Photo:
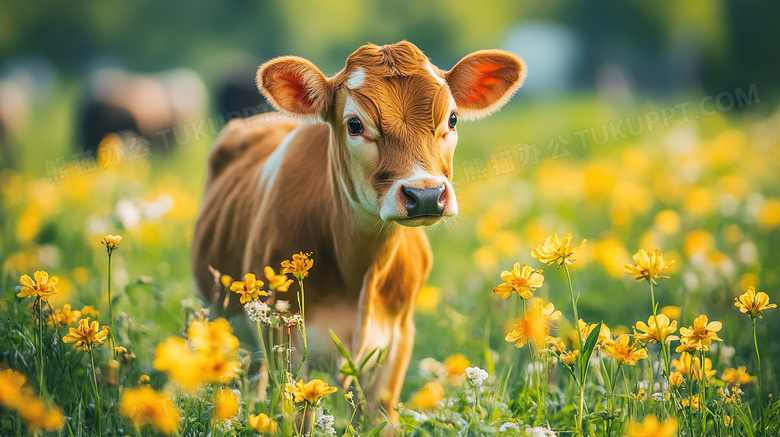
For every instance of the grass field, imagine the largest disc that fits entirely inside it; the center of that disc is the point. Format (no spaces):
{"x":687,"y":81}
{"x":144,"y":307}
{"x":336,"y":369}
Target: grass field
{"x":700,"y":184}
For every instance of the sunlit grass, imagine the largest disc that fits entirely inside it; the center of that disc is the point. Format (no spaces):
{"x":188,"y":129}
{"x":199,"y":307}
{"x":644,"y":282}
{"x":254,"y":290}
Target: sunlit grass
{"x":705,"y":193}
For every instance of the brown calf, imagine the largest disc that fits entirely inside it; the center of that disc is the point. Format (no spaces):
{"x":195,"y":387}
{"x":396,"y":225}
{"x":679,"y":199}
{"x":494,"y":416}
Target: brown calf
{"x":357,"y":163}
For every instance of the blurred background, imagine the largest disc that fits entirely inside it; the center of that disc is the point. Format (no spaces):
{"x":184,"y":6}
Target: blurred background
{"x":641,"y":124}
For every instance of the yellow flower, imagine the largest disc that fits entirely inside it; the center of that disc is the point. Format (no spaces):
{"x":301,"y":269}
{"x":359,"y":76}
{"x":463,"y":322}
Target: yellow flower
{"x":227,"y":404}
{"x":547,"y":311}
{"x":737,"y":376}
{"x":64,"y":317}
{"x":41,"y":288}
{"x":641,"y":395}
{"x":672,"y":312}
{"x":209,"y":355}
{"x":428,"y":299}
{"x":753,"y":303}
{"x":299,"y":266}
{"x":651,"y":427}
{"x":311,"y":391}
{"x":521,"y":280}
{"x":226,"y":280}
{"x":691,"y":367}
{"x":11,"y":383}
{"x":534,"y":326}
{"x":693,"y":402}
{"x":456,"y":365}
{"x":605,"y":334}
{"x":87,"y":336}
{"x":675,"y":379}
{"x":623,"y":353}
{"x":262,"y":423}
{"x":89,"y":310}
{"x":144,"y":406}
{"x":250,"y":288}
{"x":668,"y":221}
{"x":648,"y":265}
{"x":37,"y":416}
{"x":277,"y":282}
{"x":569,"y":357}
{"x":428,"y":397}
{"x":144,"y":379}
{"x":557,"y":250}
{"x":212,"y":337}
{"x":649,"y":332}
{"x":111,"y":242}
{"x":555,"y":343}
{"x":13,"y":396}
{"x":700,"y":335}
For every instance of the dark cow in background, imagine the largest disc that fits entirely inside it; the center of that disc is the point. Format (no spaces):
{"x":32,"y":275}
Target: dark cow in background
{"x":147,"y":105}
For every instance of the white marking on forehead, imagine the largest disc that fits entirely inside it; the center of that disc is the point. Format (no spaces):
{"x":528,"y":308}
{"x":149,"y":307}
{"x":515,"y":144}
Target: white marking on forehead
{"x":430,"y":69}
{"x":357,"y":78}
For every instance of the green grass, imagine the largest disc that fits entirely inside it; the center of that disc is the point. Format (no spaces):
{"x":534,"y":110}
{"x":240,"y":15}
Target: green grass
{"x":716,"y":175}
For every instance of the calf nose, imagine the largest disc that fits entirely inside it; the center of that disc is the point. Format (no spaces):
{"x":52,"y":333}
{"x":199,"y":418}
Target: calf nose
{"x":424,"y":201}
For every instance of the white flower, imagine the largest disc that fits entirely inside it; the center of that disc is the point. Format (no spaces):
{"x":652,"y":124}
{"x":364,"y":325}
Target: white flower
{"x":539,"y":431}
{"x":416,"y":416}
{"x":188,"y":303}
{"x":476,"y":375}
{"x":507,"y":426}
{"x":325,"y":423}
{"x":659,"y":397}
{"x":257,"y":311}
{"x":282,"y":305}
{"x":430,"y":368}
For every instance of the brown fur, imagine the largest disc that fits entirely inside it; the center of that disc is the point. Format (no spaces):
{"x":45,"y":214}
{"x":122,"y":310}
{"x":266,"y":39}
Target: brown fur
{"x":367,"y":272}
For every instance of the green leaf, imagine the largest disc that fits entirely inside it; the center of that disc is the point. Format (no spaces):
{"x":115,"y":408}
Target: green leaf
{"x":381,"y":357}
{"x":747,"y":421}
{"x":587,"y":351}
{"x":489,"y":364}
{"x":340,"y":346}
{"x":368,"y":357}
{"x":349,"y":369}
{"x":377,"y":429}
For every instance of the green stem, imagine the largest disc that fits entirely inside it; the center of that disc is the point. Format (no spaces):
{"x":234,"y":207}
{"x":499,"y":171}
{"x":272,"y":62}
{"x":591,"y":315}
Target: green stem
{"x":111,"y":305}
{"x":628,"y":394}
{"x":301,"y":304}
{"x":98,"y":406}
{"x":583,"y":366}
{"x":269,"y":363}
{"x":40,"y":344}
{"x":702,"y":395}
{"x":303,"y":419}
{"x":760,"y":381}
{"x":313,"y":415}
{"x":661,"y":337}
{"x":690,"y":400}
{"x":611,"y":391}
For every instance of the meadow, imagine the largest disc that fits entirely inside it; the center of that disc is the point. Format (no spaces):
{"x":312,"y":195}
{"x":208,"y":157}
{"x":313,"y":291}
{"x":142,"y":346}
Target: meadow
{"x":499,"y":349}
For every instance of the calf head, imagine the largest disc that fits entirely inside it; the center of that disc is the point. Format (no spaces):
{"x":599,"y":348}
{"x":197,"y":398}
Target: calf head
{"x":393,"y":118}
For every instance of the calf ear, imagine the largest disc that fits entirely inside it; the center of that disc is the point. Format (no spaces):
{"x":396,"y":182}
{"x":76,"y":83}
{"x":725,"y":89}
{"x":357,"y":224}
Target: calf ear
{"x":294,"y":86}
{"x":483,"y":81}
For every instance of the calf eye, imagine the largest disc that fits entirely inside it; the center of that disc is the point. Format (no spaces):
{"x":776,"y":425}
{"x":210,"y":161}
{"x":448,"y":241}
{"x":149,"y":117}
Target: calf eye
{"x":355,"y":126}
{"x":453,"y":120}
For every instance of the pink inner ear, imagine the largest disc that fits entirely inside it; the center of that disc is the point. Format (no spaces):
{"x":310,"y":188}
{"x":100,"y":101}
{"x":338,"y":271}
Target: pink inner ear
{"x":295,"y":90}
{"x":485,"y":82}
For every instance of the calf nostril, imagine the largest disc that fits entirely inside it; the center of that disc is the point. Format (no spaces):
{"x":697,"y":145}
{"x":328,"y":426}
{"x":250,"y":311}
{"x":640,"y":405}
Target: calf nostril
{"x":409,"y":197}
{"x":442,"y":201}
